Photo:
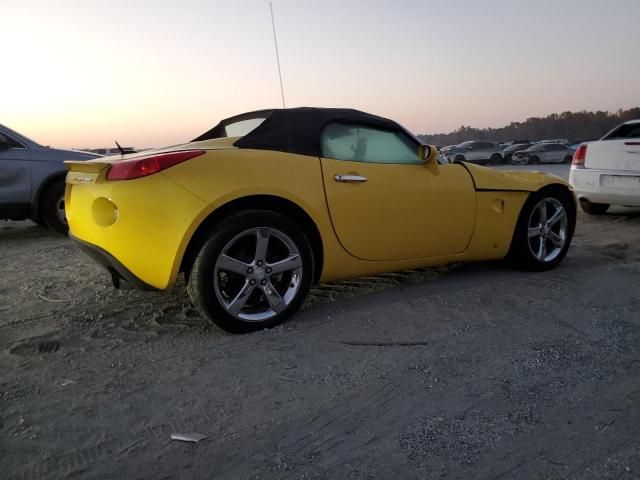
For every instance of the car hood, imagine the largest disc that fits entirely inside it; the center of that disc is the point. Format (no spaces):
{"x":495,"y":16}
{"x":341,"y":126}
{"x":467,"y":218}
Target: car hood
{"x":515,"y":180}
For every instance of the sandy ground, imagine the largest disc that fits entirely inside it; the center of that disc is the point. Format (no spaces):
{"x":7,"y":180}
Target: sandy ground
{"x":472,"y":371}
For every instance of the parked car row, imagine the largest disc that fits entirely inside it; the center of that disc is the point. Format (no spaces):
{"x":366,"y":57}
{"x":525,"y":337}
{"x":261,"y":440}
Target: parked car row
{"x":521,"y":152}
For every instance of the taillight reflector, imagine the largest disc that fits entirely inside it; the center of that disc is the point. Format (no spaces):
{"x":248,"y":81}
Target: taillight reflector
{"x":578,"y":157}
{"x":144,"y":166}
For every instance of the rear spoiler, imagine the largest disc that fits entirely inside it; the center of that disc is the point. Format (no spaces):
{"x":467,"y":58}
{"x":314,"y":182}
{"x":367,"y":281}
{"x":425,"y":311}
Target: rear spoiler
{"x":86,"y":167}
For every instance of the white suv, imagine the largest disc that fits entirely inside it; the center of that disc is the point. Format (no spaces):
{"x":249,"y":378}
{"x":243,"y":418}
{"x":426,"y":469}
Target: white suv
{"x":608,"y":171}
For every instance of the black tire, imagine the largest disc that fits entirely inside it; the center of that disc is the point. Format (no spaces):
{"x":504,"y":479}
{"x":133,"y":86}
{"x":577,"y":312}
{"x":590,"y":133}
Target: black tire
{"x":496,"y":159}
{"x":521,"y":252}
{"x":204,"y":285}
{"x":534,"y":160}
{"x":594,"y":208}
{"x":50,"y":201}
{"x":567,"y":159}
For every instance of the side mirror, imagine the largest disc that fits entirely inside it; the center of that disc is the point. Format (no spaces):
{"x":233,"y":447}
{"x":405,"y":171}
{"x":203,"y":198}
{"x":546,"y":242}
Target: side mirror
{"x":428,"y":154}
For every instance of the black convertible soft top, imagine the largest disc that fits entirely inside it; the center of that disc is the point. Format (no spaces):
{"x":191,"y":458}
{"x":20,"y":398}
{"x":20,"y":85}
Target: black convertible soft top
{"x":297,"y":130}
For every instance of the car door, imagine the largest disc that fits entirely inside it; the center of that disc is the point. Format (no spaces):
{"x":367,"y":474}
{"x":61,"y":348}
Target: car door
{"x":562,"y":153}
{"x":557,"y":153}
{"x":474,"y":152}
{"x":385,"y":203}
{"x":15,"y":177}
{"x":483,"y":151}
{"x":547,"y":154}
{"x":543,"y":153}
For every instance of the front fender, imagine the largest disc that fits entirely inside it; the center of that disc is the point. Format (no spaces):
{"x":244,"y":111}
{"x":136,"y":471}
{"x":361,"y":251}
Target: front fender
{"x":511,"y":180}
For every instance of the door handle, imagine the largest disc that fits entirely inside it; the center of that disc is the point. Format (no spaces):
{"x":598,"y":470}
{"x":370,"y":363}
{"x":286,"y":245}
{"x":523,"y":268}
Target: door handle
{"x":350,"y":178}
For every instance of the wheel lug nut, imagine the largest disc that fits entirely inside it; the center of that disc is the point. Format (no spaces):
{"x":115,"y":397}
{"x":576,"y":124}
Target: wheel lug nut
{"x":260,"y":263}
{"x":249,"y":270}
{"x":264,"y":281}
{"x":268,"y":270}
{"x":252,"y":282}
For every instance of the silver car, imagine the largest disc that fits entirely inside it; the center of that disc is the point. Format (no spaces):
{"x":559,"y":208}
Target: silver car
{"x":476,"y":152}
{"x":32,"y":180}
{"x":543,"y":153}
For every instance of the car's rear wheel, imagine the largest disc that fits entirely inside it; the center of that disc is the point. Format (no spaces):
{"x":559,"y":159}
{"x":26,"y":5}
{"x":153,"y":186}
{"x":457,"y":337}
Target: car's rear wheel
{"x":594,"y":208}
{"x":253,"y":272}
{"x":52,"y":208}
{"x":544,"y":230}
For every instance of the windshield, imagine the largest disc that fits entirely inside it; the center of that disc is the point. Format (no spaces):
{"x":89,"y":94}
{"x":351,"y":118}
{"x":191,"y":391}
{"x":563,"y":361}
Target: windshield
{"x":627,"y":130}
{"x":517,"y":146}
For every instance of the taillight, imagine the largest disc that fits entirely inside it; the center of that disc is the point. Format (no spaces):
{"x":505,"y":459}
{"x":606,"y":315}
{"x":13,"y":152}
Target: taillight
{"x":578,"y":157}
{"x":144,"y":166}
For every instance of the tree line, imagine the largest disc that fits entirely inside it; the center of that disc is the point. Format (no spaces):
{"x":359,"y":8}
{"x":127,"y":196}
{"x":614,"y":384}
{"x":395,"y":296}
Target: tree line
{"x":574,"y":126}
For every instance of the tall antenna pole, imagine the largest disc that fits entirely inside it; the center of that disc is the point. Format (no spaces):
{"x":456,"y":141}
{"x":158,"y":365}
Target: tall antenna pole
{"x":275,"y":41}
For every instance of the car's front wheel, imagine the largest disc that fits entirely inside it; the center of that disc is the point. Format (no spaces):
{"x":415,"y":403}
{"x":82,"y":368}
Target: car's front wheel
{"x":253,"y":272}
{"x":544,"y":229}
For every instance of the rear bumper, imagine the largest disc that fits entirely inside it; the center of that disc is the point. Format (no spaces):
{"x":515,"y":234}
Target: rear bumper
{"x":143,"y":225}
{"x":592,"y":185}
{"x":116,"y":269}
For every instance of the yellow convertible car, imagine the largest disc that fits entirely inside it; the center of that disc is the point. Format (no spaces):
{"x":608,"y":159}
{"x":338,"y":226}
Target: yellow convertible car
{"x":267,"y":203}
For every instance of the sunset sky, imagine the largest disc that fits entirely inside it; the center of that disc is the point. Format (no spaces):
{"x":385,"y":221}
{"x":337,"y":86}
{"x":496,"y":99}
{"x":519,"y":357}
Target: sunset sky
{"x":81,"y":73}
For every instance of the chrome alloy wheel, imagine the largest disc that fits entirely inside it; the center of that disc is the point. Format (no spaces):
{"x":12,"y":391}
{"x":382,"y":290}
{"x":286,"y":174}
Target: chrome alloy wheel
{"x":547,"y":233}
{"x":258,"y":274}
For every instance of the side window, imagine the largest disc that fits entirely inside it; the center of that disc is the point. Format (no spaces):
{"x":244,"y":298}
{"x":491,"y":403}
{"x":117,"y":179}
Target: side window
{"x":242,"y":127}
{"x":365,"y":144}
{"x":10,"y":142}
